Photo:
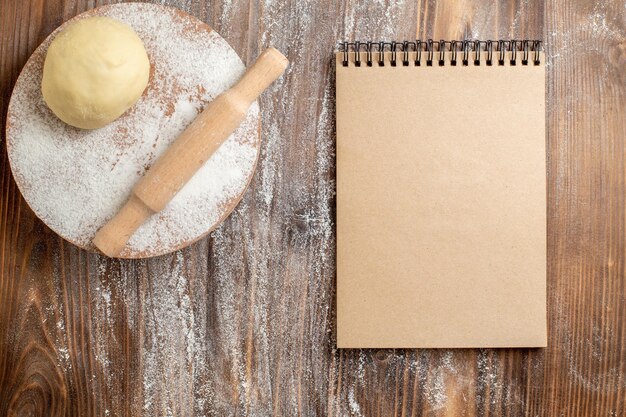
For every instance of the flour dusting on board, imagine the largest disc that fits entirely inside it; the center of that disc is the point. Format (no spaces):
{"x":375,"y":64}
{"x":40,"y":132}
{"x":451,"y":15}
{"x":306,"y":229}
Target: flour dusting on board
{"x":75,"y":180}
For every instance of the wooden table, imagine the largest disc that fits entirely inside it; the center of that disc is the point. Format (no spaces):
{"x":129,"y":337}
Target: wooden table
{"x":242,"y":323}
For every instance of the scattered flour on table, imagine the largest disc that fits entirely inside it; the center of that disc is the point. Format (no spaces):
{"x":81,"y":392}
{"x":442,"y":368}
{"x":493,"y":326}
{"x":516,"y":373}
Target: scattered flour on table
{"x":75,"y":180}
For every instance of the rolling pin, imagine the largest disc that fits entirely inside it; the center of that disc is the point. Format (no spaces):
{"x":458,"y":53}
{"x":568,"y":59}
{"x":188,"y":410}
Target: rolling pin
{"x":189,"y":152}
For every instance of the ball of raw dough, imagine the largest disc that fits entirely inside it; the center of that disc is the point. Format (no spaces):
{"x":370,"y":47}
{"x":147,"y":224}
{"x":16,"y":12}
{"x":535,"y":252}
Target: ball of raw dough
{"x":94,"y":71}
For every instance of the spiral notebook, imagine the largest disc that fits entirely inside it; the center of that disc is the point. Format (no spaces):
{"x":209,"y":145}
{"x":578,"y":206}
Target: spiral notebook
{"x":441,"y":194}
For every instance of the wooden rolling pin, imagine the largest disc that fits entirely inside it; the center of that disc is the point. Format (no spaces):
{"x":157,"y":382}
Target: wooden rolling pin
{"x":189,"y":152}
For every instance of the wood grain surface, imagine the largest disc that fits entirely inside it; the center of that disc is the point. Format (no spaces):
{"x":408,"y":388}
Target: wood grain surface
{"x":242,"y":323}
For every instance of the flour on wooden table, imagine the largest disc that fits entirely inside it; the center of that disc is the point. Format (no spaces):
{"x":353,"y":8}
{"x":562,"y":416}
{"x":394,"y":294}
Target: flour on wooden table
{"x":75,"y":180}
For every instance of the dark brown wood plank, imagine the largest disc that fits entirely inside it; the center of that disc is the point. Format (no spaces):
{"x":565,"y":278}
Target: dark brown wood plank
{"x":242,"y":323}
{"x":587,"y":125}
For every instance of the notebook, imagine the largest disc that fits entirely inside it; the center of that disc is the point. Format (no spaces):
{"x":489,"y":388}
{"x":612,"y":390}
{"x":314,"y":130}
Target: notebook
{"x":441,"y":194}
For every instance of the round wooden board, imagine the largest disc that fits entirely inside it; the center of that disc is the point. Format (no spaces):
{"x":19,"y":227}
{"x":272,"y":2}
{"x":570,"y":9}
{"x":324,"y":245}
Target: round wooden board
{"x":72,"y":179}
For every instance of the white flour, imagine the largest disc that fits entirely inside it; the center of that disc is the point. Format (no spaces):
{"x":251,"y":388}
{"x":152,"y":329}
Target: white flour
{"x":75,"y":180}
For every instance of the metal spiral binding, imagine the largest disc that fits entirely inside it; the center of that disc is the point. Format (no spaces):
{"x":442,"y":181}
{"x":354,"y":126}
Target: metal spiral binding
{"x":438,"y":49}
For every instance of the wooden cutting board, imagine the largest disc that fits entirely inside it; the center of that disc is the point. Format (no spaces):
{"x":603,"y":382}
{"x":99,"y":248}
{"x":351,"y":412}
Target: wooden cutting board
{"x":75,"y":180}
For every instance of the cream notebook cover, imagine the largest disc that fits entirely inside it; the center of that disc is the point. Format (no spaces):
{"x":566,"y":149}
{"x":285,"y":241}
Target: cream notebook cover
{"x":441,"y":195}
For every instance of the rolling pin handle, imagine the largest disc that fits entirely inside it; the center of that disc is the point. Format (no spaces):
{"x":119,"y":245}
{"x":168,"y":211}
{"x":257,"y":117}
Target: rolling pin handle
{"x":265,"y":70}
{"x":113,"y":236}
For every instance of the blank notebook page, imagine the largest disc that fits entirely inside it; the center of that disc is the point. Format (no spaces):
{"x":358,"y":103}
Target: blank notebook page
{"x":441,"y":205}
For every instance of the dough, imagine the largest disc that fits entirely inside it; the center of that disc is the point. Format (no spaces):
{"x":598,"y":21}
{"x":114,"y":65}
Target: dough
{"x":95,"y":69}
